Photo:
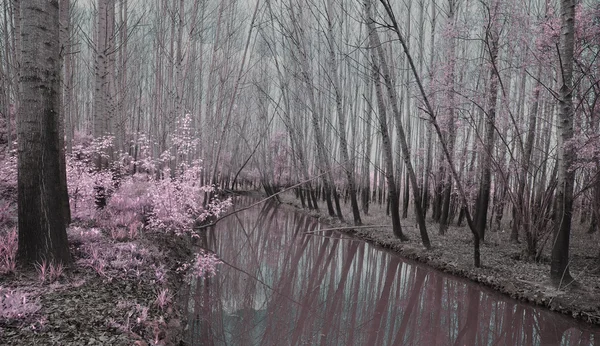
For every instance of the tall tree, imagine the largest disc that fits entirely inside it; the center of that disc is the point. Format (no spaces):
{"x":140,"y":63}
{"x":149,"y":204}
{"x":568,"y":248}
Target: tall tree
{"x":335,"y":80}
{"x":42,"y":233}
{"x":383,"y":126}
{"x":559,"y":267}
{"x":483,"y":197}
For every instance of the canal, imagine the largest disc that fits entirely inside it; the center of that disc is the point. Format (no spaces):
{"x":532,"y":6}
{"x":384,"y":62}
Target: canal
{"x":283,"y":282}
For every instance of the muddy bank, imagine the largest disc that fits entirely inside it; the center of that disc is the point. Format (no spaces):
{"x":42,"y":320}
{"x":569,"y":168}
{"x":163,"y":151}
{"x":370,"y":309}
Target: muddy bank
{"x":505,"y":268}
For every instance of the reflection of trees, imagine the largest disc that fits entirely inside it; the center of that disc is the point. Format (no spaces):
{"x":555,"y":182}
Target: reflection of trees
{"x":334,"y":312}
{"x":287,"y":287}
{"x":468,"y":331}
{"x":410,"y":307}
{"x":375,"y":332}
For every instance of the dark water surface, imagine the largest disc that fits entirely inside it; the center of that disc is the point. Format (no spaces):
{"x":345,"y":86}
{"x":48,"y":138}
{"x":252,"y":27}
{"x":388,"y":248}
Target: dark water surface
{"x":283,"y":286}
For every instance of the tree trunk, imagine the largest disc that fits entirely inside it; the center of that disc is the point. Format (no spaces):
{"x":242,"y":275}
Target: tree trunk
{"x":483,"y":197}
{"x":559,"y":267}
{"x":519,"y":208}
{"x":64,"y":90}
{"x":403,"y":142}
{"x":347,"y":164}
{"x":383,"y":128}
{"x":42,"y":233}
{"x":429,"y":110}
{"x":450,"y":92}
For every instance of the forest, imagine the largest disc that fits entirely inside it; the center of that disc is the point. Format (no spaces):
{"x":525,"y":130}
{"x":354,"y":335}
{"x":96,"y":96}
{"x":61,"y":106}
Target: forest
{"x":422,"y":126}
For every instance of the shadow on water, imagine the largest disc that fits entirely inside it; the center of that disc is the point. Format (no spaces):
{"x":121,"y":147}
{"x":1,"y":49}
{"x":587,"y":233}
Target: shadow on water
{"x":282,"y":286}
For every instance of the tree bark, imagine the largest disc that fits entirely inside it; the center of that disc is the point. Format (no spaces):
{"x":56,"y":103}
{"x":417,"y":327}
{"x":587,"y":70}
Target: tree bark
{"x":383,"y":128}
{"x":65,"y":31}
{"x":559,"y":267}
{"x":430,"y":112}
{"x":347,"y":163}
{"x":483,"y":197}
{"x":392,"y":94}
{"x":42,"y":233}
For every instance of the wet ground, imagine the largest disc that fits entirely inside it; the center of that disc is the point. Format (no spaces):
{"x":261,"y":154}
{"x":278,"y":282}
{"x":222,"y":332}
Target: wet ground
{"x":283,"y":282}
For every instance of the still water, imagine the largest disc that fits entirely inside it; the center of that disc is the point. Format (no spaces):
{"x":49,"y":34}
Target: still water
{"x":280,"y":284}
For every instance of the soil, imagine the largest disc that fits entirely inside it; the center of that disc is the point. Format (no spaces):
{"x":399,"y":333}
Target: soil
{"x":505,"y":266}
{"x":116,"y":306}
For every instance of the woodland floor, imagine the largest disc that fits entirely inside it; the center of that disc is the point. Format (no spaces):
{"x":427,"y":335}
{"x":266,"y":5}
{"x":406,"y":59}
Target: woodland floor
{"x":505,"y":267}
{"x":118,"y":307}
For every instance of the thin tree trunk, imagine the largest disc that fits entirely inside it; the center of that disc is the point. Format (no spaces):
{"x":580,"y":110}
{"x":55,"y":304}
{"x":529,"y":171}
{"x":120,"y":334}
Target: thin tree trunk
{"x":392,"y":94}
{"x":431,"y":113}
{"x":559,"y":267}
{"x":383,"y":128}
{"x":346,"y":163}
{"x":483,"y":197}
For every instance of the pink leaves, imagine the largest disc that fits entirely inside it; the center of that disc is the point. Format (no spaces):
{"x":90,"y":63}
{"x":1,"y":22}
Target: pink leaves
{"x":49,"y":271}
{"x":16,"y":305}
{"x":8,"y":251}
{"x":204,"y":265}
{"x":163,"y":299}
{"x":178,"y":204}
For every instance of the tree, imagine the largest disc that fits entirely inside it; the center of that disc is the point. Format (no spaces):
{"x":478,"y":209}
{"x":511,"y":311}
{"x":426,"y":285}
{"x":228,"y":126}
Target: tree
{"x":559,"y":267}
{"x":42,"y":233}
{"x":383,"y":126}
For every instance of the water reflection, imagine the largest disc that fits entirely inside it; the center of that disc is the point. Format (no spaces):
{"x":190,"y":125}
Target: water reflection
{"x":282,"y":286}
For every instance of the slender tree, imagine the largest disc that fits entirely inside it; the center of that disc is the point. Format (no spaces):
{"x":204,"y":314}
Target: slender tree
{"x":559,"y":267}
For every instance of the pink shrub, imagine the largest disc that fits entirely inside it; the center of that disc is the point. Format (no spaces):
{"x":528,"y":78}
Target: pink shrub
{"x":163,"y":298}
{"x":82,"y":180}
{"x":203,"y":265}
{"x":16,"y":305}
{"x":178,"y":204}
{"x":8,"y":251}
{"x":49,"y":272}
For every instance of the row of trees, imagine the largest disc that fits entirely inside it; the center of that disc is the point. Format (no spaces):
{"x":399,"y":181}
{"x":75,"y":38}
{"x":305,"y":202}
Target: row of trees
{"x":470,"y":110}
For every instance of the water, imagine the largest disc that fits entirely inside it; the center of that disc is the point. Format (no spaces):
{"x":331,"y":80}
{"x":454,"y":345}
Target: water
{"x":280,"y":285}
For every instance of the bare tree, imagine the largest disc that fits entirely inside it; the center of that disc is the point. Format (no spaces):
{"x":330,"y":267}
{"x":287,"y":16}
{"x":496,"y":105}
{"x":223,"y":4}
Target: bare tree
{"x":383,"y":127}
{"x":559,"y":268}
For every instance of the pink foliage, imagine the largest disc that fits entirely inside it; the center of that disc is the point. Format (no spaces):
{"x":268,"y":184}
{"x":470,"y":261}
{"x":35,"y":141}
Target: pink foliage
{"x":82,"y":179}
{"x":163,"y":299}
{"x":17,"y":305}
{"x":49,"y":272}
{"x":174,"y":204}
{"x":203,"y":265}
{"x":8,"y":250}
{"x":178,"y":204}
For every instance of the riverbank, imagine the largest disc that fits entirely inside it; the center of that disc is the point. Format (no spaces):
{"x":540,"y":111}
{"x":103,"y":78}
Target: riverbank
{"x":117,"y":292}
{"x":504,"y":265}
